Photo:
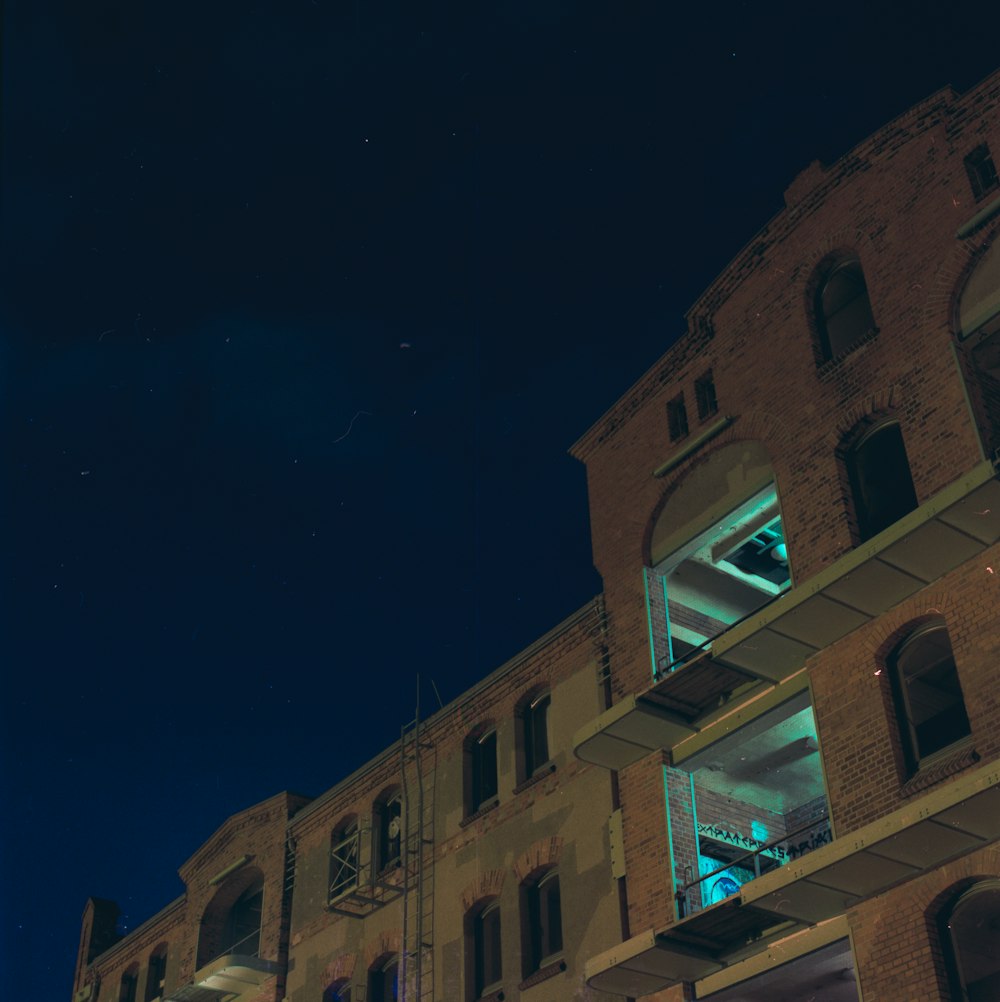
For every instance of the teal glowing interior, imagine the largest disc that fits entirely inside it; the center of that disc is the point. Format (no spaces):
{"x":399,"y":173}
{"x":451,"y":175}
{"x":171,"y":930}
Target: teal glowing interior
{"x":747,"y":803}
{"x":717,"y":578}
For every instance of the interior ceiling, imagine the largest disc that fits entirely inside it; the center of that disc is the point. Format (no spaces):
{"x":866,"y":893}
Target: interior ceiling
{"x":778,"y":768}
{"x":824,"y":976}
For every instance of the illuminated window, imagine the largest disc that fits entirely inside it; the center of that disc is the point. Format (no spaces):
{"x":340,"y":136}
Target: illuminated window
{"x":481,"y":769}
{"x":343,"y":860}
{"x":157,"y":973}
{"x":982,"y":171}
{"x":383,"y":981}
{"x":542,"y":915}
{"x":879,"y":475}
{"x":928,"y":693}
{"x":129,"y":982}
{"x":972,"y":928}
{"x":483,"y":942}
{"x":389,"y":812}
{"x":535,"y":734}
{"x":704,"y":394}
{"x":677,"y":418}
{"x":842,"y":308}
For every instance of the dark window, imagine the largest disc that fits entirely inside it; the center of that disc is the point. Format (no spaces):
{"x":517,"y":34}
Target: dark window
{"x":390,"y":817}
{"x":483,"y":767}
{"x":677,"y":418}
{"x":535,"y":724}
{"x":383,"y":982}
{"x":879,"y":475}
{"x":704,"y":394}
{"x":156,"y":974}
{"x":544,"y":921}
{"x":929,"y":696}
{"x":338,"y":992}
{"x":972,"y":930}
{"x":843,"y":309}
{"x":126,"y":991}
{"x":343,"y":860}
{"x":487,"y":966}
{"x":982,"y":172}
{"x":242,"y":932}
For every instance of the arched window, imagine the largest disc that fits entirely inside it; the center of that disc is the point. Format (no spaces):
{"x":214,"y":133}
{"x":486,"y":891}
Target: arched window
{"x":242,"y":929}
{"x":389,"y":812}
{"x":129,"y":982}
{"x":879,"y":475}
{"x":344,"y":869}
{"x":972,"y":928}
{"x":533,"y":737}
{"x":339,"y":991}
{"x":928,"y":694}
{"x":843,"y":310}
{"x":541,"y":921}
{"x":383,"y":981}
{"x":485,"y":967}
{"x":157,"y":973}
{"x":480,"y":768}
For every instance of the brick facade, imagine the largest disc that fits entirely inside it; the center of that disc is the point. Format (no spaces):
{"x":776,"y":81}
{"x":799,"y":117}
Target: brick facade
{"x":899,"y":209}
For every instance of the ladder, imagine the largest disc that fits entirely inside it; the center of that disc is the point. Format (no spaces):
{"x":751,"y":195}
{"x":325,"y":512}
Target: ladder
{"x":418,"y":774}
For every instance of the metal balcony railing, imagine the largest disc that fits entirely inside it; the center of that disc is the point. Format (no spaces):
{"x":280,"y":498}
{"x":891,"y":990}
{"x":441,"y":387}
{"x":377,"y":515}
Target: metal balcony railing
{"x":774,"y":846}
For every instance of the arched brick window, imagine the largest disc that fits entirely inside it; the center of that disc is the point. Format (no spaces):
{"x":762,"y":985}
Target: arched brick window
{"x":157,"y":973}
{"x":541,"y":918}
{"x":878,"y":472}
{"x":344,"y":859}
{"x":480,"y":768}
{"x":972,"y":943}
{"x":843,"y":311}
{"x":128,"y":985}
{"x":484,"y":964}
{"x":389,"y":821}
{"x":383,"y":980}
{"x":929,"y":699}
{"x":339,"y":991}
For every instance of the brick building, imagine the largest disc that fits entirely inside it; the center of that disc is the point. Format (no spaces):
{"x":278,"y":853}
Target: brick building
{"x":765,"y":762}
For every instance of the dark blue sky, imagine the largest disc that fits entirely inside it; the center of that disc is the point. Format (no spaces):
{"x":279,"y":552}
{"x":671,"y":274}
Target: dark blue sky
{"x":302,"y":305}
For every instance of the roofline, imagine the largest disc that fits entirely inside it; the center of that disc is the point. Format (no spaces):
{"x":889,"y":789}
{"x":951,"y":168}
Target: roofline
{"x":139,"y":930}
{"x":456,"y":704}
{"x":585,"y":442}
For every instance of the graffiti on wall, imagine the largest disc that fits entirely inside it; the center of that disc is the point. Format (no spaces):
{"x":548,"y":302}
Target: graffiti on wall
{"x":782,"y":851}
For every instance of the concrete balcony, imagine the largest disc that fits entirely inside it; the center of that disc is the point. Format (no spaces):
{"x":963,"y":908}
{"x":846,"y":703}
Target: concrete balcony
{"x":943,"y":825}
{"x":756,"y":654}
{"x":232,"y":976}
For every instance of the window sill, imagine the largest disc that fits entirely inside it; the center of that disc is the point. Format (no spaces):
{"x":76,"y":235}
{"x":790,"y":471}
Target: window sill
{"x":539,"y":774}
{"x":476,"y":815}
{"x":829,"y":367}
{"x":543,"y":974}
{"x":495,"y":995}
{"x":940,"y":766}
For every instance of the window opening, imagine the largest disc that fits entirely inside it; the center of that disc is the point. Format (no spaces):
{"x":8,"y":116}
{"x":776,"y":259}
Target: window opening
{"x":383,"y":982}
{"x":484,"y":770}
{"x":242,"y":933}
{"x":390,"y":830}
{"x":879,"y":475}
{"x":981,"y":171}
{"x":157,"y":974}
{"x":973,"y":936}
{"x":843,"y":309}
{"x":704,"y":393}
{"x":677,"y":419}
{"x":127,"y":989}
{"x":487,"y":964}
{"x":745,"y":805}
{"x":716,"y":579}
{"x":344,"y":861}
{"x":928,"y":693}
{"x":339,"y":992}
{"x":536,"y":734}
{"x":544,"y":905}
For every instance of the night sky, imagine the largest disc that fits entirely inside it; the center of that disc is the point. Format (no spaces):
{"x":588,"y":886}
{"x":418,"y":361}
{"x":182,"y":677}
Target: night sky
{"x":302,"y":305}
